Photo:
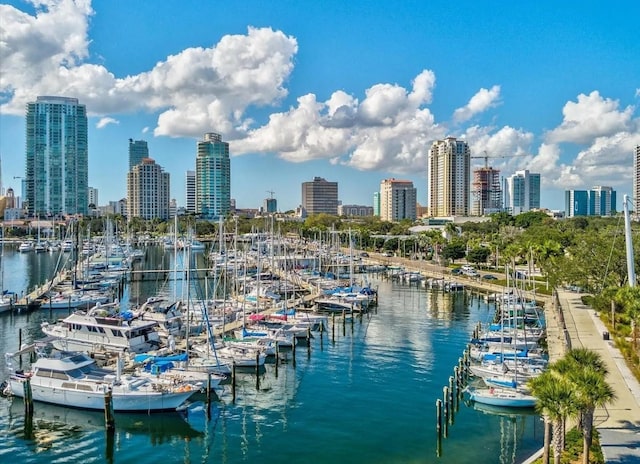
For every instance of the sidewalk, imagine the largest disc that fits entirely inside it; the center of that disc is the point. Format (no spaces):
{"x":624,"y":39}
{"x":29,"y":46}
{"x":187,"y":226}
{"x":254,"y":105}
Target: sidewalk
{"x":619,"y":422}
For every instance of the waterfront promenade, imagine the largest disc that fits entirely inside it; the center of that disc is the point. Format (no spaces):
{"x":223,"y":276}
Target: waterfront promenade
{"x":619,"y":422}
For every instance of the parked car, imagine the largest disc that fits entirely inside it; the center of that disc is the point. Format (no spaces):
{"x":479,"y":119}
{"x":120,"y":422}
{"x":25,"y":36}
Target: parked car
{"x":388,"y":254}
{"x":456,"y":271}
{"x":364,"y":254}
{"x":489,"y":277}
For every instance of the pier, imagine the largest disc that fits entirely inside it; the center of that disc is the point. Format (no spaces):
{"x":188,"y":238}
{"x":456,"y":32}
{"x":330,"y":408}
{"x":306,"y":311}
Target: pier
{"x":33,"y":299}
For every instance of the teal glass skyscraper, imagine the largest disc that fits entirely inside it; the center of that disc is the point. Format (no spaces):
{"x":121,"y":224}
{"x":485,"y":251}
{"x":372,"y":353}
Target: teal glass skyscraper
{"x":57,"y":166}
{"x":138,"y":150}
{"x":213,"y":177}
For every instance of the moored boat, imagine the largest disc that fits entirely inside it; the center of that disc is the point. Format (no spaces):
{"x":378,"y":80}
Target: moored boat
{"x":75,"y":380}
{"x":504,"y":397}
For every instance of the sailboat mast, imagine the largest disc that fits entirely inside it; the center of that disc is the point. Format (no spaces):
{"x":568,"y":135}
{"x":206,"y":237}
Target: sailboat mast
{"x":628,"y":242}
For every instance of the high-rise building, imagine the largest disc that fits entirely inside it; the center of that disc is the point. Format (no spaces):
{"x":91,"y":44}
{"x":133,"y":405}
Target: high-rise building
{"x":213,"y":177}
{"x":376,"y":204}
{"x":92,"y":196}
{"x":636,"y":182}
{"x":486,"y":193}
{"x":522,"y":192}
{"x":320,"y":196}
{"x":270,"y":205}
{"x":599,"y":201}
{"x":398,"y":200}
{"x":138,"y":150}
{"x":147,"y":191}
{"x":190,"y":192}
{"x":57,"y":167}
{"x":355,"y":210}
{"x":448,"y":178}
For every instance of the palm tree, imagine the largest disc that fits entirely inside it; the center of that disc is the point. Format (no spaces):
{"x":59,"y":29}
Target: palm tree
{"x":586,"y":372}
{"x":555,"y":399}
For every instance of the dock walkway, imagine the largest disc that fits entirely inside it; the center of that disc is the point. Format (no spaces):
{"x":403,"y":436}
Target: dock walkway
{"x":619,"y":422}
{"x":35,"y":296}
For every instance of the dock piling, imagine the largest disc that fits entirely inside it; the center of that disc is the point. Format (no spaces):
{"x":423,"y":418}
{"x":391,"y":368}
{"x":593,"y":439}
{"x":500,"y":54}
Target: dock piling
{"x":233,"y":382}
{"x":257,"y":370}
{"x":109,"y":420}
{"x":445,"y":422}
{"x":28,"y":398}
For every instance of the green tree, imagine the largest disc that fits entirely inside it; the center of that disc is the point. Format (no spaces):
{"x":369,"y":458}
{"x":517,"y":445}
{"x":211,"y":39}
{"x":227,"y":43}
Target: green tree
{"x":453,"y":251}
{"x":586,"y":372}
{"x":629,"y":299}
{"x":555,"y":399}
{"x":478,"y":255}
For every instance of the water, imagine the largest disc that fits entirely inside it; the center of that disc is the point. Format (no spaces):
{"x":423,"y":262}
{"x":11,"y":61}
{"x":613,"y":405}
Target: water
{"x":367,"y":397}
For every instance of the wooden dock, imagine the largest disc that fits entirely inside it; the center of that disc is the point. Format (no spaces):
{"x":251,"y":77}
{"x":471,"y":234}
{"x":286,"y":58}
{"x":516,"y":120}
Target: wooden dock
{"x":33,"y":299}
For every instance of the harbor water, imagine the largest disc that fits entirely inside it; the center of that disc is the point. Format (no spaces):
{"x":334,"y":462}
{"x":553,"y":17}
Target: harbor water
{"x":363,"y":392}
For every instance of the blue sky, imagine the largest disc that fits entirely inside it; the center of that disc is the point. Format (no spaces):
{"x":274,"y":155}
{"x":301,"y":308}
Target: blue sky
{"x":351,"y":91}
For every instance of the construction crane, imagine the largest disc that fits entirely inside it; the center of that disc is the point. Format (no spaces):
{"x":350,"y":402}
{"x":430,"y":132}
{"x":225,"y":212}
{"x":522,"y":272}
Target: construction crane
{"x":270,"y":192}
{"x":486,"y":157}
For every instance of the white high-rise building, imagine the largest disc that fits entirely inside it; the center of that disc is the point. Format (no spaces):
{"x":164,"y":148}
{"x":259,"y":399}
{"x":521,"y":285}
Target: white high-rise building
{"x":93,"y":196}
{"x":522,"y":192}
{"x":398,"y":199}
{"x":190,"y":192}
{"x":448,"y":178}
{"x":148,"y":191}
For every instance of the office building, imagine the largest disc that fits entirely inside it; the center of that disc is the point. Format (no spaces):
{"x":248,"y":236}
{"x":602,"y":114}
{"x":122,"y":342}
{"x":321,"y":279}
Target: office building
{"x":636,"y":182}
{"x":522,"y":192}
{"x":147,"y":191}
{"x":398,"y":200}
{"x":92,"y":196}
{"x":270,"y":205}
{"x":355,"y":210}
{"x":599,"y":201}
{"x":213,"y":177}
{"x":190,"y":192}
{"x":376,"y":204}
{"x":57,"y":168}
{"x":138,"y":150}
{"x":320,"y":196}
{"x":486,"y":192}
{"x":448,"y":178}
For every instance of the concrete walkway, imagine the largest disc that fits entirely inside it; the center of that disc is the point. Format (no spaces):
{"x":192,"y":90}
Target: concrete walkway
{"x":574,"y":325}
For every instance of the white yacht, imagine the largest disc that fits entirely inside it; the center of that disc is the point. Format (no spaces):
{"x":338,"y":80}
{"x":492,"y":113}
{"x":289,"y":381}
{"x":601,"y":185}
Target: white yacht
{"x":101,"y":328}
{"x":26,"y":247}
{"x":74,"y":380}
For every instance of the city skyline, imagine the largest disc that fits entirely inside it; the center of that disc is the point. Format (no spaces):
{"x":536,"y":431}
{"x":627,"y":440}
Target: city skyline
{"x":302,"y":92}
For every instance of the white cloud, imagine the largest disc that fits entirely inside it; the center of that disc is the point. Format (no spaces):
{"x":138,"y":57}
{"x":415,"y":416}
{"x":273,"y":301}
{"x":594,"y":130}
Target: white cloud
{"x":637,"y":92}
{"x":389,"y":130}
{"x":480,"y":102}
{"x":194,"y":91}
{"x":590,"y":117}
{"x":145,"y":129}
{"x":106,"y":121}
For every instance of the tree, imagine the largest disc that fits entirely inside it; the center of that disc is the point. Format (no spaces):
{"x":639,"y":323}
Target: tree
{"x":453,"y":251}
{"x":629,"y":299}
{"x":555,"y":399}
{"x":586,"y":372}
{"x":478,"y":255}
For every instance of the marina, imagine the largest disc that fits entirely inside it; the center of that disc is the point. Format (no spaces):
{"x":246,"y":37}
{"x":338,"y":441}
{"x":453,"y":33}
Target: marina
{"x":362,"y":391}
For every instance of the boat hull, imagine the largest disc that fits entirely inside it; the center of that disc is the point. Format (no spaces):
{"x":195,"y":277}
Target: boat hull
{"x":129,"y":401}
